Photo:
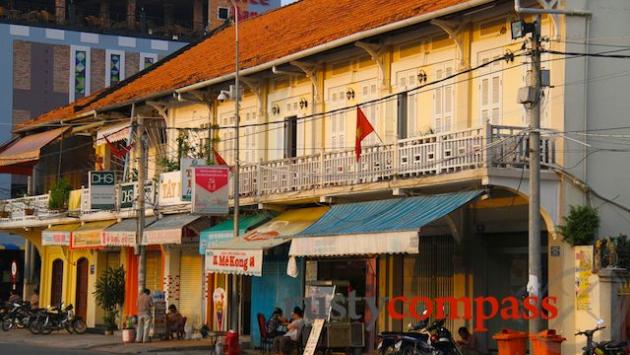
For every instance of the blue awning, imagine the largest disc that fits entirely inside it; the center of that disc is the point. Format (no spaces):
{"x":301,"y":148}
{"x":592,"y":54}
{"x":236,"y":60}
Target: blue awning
{"x":376,"y":227}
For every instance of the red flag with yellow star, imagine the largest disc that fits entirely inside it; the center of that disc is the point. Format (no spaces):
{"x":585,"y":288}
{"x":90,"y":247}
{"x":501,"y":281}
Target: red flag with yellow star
{"x":218,"y":159}
{"x":364,"y":129}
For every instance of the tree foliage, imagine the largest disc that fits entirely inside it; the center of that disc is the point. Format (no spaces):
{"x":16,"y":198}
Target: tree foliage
{"x":580,"y":225}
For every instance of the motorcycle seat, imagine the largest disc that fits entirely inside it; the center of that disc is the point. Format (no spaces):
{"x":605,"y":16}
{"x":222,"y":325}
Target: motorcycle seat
{"x":614,"y":344}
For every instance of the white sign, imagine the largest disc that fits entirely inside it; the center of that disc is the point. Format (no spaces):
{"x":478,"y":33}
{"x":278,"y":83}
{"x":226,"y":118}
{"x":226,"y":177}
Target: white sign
{"x":128,"y":194}
{"x":102,"y":190}
{"x":60,"y":238}
{"x":313,"y":338}
{"x":185,"y":164}
{"x":242,"y":262}
{"x":210,"y":190}
{"x":118,"y":239}
{"x":170,"y":189}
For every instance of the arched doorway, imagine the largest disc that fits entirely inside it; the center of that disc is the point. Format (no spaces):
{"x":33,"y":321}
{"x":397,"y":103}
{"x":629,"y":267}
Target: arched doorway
{"x":56,"y":283}
{"x":80,"y":302}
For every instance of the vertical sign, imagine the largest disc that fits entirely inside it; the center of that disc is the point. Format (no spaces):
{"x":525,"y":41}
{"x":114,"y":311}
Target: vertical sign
{"x":583,"y":273}
{"x":313,"y":338}
{"x":102,"y":190}
{"x":185,"y":164}
{"x":170,"y":190}
{"x":210,"y":190}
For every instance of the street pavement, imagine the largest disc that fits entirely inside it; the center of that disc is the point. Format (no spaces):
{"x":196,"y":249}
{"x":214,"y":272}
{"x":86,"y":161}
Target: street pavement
{"x":23,"y":342}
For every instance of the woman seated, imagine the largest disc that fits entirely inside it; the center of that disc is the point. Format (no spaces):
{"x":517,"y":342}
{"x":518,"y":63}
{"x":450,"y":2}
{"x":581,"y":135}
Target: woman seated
{"x":286,"y":343}
{"x":174,"y":322}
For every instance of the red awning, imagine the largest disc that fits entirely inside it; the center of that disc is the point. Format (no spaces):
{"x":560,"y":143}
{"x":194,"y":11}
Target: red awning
{"x":19,"y":156}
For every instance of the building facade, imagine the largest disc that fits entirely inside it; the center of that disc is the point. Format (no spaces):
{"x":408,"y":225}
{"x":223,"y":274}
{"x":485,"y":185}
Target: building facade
{"x":441,"y":187}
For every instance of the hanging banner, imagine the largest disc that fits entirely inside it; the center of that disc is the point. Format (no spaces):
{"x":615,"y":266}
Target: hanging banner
{"x":102,"y":190}
{"x":58,"y":238}
{"x":170,"y":189}
{"x":210,"y":190}
{"x":243,"y":262}
{"x":187,"y":181}
{"x":128,"y":194}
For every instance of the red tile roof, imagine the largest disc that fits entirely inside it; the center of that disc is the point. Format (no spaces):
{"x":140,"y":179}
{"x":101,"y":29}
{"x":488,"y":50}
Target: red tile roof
{"x":288,"y":30}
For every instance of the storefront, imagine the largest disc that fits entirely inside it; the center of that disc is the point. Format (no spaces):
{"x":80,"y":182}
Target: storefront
{"x":54,"y":284}
{"x":263,"y":253}
{"x":351,"y":245}
{"x":89,"y":259}
{"x":217,"y":284}
{"x":123,"y":235}
{"x":177,"y":236}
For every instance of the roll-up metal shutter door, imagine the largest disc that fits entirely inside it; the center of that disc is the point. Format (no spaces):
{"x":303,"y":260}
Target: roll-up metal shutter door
{"x":190,"y":288}
{"x":153,"y":271}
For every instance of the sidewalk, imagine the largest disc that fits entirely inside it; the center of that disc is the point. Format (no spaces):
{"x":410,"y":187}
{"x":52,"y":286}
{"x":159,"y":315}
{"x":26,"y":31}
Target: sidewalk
{"x":105,"y":343}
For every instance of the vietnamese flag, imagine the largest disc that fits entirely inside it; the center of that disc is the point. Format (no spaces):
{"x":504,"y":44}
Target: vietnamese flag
{"x":364,"y":128}
{"x":218,"y":159}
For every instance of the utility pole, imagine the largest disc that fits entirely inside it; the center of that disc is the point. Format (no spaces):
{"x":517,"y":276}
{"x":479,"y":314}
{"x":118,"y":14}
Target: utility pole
{"x":237,"y":117}
{"x":533,"y":111}
{"x":140,"y":154}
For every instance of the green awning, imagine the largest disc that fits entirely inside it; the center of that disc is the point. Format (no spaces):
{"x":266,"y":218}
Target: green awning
{"x":224,"y":230}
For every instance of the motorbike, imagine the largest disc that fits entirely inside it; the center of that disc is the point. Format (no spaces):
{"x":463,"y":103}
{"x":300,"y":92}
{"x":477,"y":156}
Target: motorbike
{"x":602,"y":348}
{"x":17,"y":315}
{"x":420,"y":339}
{"x":58,"y":318}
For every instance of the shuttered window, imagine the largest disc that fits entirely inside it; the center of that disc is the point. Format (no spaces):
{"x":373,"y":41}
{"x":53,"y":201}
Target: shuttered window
{"x":190,"y":288}
{"x":443,"y":100}
{"x":490,"y":90}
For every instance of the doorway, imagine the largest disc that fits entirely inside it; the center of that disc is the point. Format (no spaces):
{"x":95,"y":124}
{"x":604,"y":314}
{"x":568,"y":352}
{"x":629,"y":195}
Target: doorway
{"x":290,"y":137}
{"x":56,"y":284}
{"x":82,"y":288}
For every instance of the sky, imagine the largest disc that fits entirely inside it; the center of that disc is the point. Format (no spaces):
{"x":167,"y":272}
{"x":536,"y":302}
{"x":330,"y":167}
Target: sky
{"x":284,"y":2}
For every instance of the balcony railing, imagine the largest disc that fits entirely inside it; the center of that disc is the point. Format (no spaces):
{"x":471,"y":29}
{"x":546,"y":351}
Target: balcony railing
{"x":430,"y":155}
{"x":490,"y":146}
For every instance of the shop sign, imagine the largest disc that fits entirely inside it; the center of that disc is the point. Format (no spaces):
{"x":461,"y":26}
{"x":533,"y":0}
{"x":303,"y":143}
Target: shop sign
{"x":246,"y":262}
{"x":583,"y":276}
{"x":313,"y":338}
{"x":102,"y":190}
{"x":159,"y":237}
{"x":86,"y":239}
{"x":170,"y":189}
{"x":118,"y":239}
{"x":59,"y":238}
{"x":128,"y":194}
{"x":210,"y":190}
{"x":185,"y":164}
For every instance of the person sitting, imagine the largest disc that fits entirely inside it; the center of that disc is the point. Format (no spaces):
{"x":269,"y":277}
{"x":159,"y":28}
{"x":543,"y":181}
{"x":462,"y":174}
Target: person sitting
{"x":14,"y":297}
{"x":467,"y":343}
{"x":285,"y":344}
{"x":276,"y":321}
{"x":174,"y":322}
{"x":35,"y":299}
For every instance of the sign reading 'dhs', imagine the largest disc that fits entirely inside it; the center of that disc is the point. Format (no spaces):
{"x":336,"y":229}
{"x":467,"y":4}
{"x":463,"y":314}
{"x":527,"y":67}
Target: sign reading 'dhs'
{"x":210,"y":190}
{"x":102,"y":190}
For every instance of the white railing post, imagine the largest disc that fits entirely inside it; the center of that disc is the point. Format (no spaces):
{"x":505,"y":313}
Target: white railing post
{"x":396,"y":160}
{"x":486,"y":141}
{"x":322,"y":170}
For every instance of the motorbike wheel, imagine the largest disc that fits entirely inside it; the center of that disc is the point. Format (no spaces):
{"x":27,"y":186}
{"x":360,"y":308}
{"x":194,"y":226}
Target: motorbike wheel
{"x":409,"y":350}
{"x":69,"y":328}
{"x":6,"y":324}
{"x":79,"y":326}
{"x":34,"y":327}
{"x":45,"y":329}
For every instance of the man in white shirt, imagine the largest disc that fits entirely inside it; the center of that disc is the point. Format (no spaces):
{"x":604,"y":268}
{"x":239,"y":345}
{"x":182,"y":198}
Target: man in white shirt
{"x":284,"y":344}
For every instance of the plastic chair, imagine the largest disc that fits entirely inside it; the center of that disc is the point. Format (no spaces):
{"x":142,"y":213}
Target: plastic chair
{"x":266,"y":341}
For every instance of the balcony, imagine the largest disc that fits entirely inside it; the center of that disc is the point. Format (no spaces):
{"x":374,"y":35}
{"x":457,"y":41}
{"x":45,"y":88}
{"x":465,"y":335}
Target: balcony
{"x":432,"y":155}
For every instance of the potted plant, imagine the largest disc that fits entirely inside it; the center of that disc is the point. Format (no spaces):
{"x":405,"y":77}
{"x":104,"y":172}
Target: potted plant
{"x":110,"y":295}
{"x":580,"y":225}
{"x":29,"y":209}
{"x":59,"y":195}
{"x":129,"y":330}
{"x":3,"y":210}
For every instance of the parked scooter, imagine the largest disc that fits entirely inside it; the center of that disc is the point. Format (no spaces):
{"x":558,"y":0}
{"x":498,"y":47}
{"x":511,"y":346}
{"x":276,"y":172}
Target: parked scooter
{"x":604,"y":347}
{"x":17,"y":315}
{"x":442,"y":340}
{"x":58,"y":318}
